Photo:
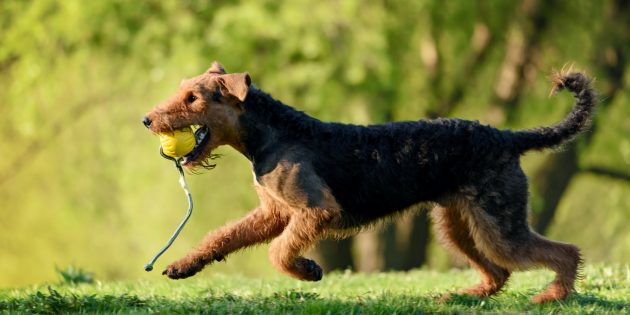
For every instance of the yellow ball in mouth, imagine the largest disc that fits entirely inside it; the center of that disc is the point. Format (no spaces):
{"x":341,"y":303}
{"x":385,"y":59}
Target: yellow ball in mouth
{"x":177,"y":143}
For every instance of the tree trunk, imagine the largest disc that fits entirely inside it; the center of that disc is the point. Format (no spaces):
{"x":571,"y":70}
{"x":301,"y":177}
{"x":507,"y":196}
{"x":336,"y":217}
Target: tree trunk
{"x":333,"y":254}
{"x":551,"y":181}
{"x":407,"y":241}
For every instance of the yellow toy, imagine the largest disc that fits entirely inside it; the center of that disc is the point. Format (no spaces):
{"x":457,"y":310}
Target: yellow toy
{"x":177,"y":143}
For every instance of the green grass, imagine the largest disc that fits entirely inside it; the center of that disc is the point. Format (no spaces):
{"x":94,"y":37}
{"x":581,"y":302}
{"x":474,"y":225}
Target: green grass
{"x":604,"y":289}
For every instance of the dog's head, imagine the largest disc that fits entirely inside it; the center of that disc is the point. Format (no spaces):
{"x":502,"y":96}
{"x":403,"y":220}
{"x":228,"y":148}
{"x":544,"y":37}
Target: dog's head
{"x":212,"y":102}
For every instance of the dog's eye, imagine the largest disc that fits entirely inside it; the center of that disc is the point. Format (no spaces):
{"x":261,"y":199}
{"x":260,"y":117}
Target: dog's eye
{"x":191,"y":98}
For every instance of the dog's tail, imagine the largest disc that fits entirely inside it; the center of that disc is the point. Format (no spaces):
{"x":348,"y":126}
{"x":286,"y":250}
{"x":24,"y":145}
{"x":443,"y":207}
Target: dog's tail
{"x":575,"y":122}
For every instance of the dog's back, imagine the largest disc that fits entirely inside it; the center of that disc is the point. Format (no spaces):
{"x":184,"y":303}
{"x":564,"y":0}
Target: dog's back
{"x":380,"y":169}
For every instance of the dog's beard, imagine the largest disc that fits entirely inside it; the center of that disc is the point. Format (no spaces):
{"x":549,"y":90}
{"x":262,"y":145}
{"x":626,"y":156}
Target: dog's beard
{"x":204,"y":163}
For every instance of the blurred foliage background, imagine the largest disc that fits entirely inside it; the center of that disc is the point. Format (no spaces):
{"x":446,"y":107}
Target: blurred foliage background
{"x":82,"y":183}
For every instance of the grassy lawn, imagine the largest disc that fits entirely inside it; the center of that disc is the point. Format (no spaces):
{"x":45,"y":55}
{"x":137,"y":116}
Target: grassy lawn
{"x":604,"y":289}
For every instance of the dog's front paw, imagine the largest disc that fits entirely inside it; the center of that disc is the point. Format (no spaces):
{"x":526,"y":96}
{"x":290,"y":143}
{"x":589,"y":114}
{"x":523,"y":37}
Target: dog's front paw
{"x":309,"y":270}
{"x":182,"y":269}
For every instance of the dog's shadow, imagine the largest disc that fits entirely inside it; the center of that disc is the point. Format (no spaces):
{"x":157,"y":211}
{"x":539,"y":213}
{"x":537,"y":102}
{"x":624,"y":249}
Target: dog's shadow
{"x":410,"y":303}
{"x":576,"y":300}
{"x":594,"y":300}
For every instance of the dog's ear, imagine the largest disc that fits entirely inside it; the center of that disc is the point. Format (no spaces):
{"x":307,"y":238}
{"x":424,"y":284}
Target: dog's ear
{"x":235,"y":85}
{"x":216,"y":68}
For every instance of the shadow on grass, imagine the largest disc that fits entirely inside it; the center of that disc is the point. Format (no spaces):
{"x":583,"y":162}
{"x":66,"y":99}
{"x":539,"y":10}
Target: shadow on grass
{"x":288,"y":301}
{"x":593,"y":300}
{"x":576,"y":302}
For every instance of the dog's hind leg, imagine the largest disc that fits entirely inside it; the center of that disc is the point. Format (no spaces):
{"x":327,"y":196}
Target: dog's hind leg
{"x":305,"y":228}
{"x":260,"y":225}
{"x":562,"y":258}
{"x":455,"y":235}
{"x":526,"y":251}
{"x":498,"y":221}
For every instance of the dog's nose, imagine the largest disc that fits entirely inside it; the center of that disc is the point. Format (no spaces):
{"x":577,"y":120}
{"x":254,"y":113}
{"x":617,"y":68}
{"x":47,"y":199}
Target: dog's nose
{"x":146,"y":121}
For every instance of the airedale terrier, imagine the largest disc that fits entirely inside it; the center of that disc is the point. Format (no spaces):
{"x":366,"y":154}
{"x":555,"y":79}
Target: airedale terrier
{"x":323,"y":179}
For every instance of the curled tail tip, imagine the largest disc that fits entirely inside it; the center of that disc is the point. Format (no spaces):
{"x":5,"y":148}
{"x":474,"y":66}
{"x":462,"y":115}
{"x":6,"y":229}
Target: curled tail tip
{"x":570,"y":79}
{"x":575,"y":122}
